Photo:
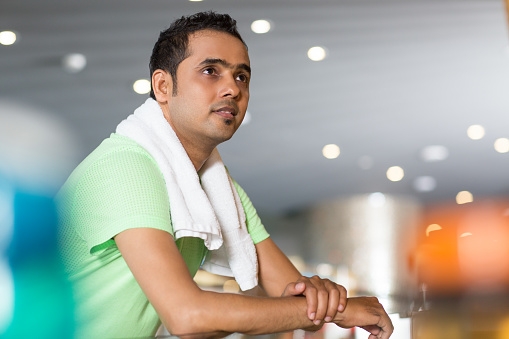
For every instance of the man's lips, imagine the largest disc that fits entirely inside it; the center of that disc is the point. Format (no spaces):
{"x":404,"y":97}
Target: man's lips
{"x":226,"y":112}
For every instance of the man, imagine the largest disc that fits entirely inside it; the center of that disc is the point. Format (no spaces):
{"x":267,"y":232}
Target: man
{"x":135,"y":222}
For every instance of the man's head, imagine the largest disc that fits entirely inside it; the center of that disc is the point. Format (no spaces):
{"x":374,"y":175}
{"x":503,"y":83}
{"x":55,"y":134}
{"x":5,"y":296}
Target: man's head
{"x":206,"y":97}
{"x":172,"y":46}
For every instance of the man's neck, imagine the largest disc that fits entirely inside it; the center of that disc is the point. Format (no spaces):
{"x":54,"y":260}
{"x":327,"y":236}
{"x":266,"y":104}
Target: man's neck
{"x":197,"y":150}
{"x":198,"y":155}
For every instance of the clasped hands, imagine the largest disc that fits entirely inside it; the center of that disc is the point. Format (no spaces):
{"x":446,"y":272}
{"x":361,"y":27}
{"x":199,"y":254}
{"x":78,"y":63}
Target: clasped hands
{"x":328,"y":302}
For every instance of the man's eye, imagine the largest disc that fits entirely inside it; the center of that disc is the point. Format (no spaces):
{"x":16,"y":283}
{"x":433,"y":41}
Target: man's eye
{"x":209,"y":71}
{"x":242,"y":77}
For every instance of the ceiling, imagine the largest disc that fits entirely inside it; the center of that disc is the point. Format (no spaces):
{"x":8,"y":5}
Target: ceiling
{"x":400,"y":75}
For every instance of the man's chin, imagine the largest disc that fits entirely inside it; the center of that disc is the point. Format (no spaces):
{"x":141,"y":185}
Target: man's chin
{"x":218,"y":138}
{"x":226,"y":131}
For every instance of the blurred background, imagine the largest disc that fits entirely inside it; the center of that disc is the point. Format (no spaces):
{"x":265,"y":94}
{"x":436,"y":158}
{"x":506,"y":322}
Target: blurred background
{"x":375,"y":148}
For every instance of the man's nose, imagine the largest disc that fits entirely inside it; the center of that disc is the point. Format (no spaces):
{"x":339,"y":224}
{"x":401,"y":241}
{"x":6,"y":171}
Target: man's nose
{"x":229,"y":87}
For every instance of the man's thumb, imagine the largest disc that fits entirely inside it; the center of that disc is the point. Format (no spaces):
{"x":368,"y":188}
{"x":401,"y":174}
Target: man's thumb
{"x":293,"y":289}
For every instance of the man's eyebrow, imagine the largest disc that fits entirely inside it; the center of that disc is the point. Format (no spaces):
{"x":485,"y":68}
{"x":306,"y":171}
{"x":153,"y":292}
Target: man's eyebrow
{"x":224,"y":63}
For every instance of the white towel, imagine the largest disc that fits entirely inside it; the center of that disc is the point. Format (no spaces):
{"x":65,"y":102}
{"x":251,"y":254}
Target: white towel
{"x":211,"y":210}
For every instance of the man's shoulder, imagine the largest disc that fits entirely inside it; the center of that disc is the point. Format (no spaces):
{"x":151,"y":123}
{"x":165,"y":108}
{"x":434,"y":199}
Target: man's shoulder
{"x":117,"y":143}
{"x":114,"y":153}
{"x":117,"y":147}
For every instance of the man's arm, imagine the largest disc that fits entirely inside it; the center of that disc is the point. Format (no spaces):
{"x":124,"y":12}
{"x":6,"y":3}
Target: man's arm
{"x":184,"y":308}
{"x":279,"y":277}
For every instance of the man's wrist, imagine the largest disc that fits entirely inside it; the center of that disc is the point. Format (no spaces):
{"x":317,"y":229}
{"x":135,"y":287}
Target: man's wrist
{"x":340,"y":316}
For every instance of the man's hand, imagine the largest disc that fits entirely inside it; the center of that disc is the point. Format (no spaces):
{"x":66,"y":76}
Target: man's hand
{"x":367,"y":313}
{"x":324,"y":297}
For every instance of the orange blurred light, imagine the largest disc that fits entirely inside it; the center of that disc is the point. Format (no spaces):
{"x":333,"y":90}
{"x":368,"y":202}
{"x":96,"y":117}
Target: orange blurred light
{"x":465,"y":248}
{"x":484,"y":256}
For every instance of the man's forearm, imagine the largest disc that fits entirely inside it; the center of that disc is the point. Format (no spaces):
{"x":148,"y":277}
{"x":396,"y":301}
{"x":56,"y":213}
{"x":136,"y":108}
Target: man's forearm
{"x":162,"y":274}
{"x":228,"y":313}
{"x":224,"y":312}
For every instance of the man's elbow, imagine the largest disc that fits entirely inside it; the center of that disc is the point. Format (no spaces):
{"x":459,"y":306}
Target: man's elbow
{"x":182,"y":321}
{"x":188,"y":317}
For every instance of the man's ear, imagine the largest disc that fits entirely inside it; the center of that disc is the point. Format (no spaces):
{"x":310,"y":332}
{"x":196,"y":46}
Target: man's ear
{"x":162,"y":85}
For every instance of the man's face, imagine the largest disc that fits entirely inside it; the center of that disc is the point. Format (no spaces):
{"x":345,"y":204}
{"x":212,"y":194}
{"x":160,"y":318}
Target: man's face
{"x":212,"y":90}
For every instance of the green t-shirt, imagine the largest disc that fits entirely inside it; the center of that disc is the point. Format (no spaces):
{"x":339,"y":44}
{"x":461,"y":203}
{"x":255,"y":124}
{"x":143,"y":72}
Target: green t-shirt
{"x":118,"y":187}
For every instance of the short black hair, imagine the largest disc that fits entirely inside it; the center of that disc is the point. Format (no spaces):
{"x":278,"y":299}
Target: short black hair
{"x":172,"y":46}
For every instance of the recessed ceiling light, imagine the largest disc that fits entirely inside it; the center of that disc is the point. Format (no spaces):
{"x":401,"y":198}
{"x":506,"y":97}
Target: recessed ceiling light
{"x":475,"y":132}
{"x":260,"y":26}
{"x":395,"y":173}
{"x":425,"y":184}
{"x":317,"y":53}
{"x":7,"y":38}
{"x":434,"y":153}
{"x":74,"y":62}
{"x":502,"y":145}
{"x":141,"y":86}
{"x":331,"y":151}
{"x":464,"y":197}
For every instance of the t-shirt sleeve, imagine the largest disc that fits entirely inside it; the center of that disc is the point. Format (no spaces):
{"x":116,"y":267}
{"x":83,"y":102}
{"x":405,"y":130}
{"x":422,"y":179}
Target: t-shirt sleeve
{"x":122,"y":190}
{"x":253,"y":222}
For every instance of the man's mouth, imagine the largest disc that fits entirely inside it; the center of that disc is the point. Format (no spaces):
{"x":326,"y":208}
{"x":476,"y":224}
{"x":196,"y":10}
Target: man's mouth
{"x":226,"y":112}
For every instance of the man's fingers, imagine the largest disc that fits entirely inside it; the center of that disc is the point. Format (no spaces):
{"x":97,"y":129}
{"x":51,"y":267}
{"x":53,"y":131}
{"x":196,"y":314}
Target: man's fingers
{"x":311,"y":299}
{"x":333,"y":306}
{"x":323,"y":303}
{"x":296,"y":288}
{"x":293,"y":289}
{"x":342,"y":298}
{"x":386,"y":330}
{"x":385,"y":325}
{"x":374,"y":331}
{"x":368,"y":313}
{"x":320,"y":288}
{"x":324,"y":298}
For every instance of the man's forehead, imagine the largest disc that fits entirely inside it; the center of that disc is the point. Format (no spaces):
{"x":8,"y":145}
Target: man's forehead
{"x":211,"y":44}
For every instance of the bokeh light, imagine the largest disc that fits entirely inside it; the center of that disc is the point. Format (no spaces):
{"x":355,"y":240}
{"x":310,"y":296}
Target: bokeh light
{"x":365,"y":162}
{"x":142,"y":86}
{"x":464,"y":197}
{"x":260,"y":26}
{"x":395,"y":173}
{"x":317,"y":53}
{"x":331,"y":151}
{"x":425,"y":184}
{"x":74,"y":62}
{"x":431,"y":228}
{"x":502,"y":145}
{"x":475,"y":132}
{"x":7,"y":38}
{"x":434,"y":153}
